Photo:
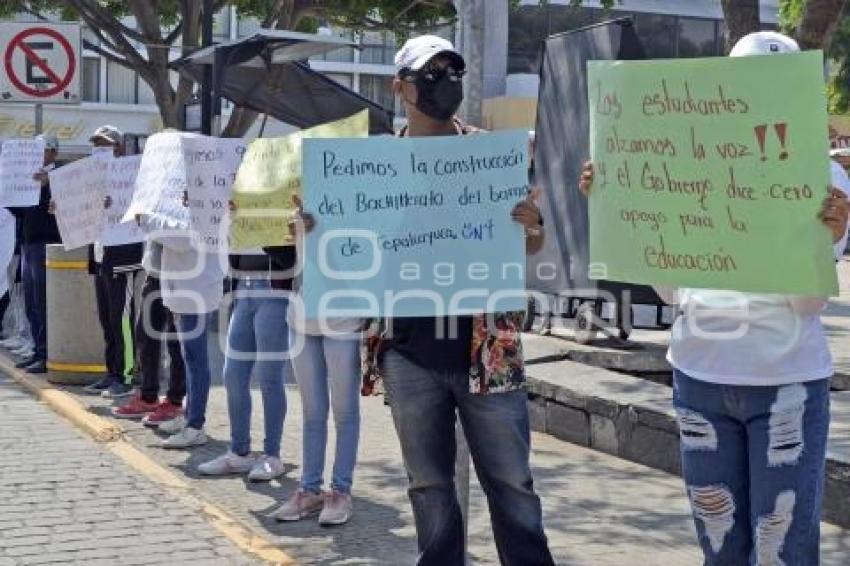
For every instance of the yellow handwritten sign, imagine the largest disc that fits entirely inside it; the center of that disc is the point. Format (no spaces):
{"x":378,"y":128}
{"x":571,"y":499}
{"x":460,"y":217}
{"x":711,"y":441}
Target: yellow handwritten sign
{"x":270,"y":175}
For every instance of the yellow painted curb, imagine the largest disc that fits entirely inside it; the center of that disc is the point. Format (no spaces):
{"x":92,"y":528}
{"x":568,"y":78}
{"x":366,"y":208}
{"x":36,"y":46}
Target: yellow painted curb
{"x":102,"y":430}
{"x":76,"y":368}
{"x":65,"y":264}
{"x":63,"y":403}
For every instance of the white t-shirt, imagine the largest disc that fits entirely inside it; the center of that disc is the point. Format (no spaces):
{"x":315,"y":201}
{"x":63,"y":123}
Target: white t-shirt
{"x":734,"y":338}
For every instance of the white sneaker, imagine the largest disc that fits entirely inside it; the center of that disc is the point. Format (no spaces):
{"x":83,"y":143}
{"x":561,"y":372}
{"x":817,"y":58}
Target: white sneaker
{"x":227,"y":464}
{"x":266,"y":468}
{"x":337,"y":509}
{"x":186,"y":438}
{"x":302,"y":504}
{"x":173,"y":426}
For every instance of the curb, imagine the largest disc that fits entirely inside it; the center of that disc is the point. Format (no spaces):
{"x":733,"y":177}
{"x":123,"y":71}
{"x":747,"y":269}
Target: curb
{"x":112,"y":437}
{"x":633,"y":419}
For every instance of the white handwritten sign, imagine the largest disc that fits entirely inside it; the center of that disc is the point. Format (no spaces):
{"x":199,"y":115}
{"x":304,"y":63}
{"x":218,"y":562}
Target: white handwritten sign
{"x":161,"y":181}
{"x":120,"y":183}
{"x":211,"y":165}
{"x":19,"y":161}
{"x":78,"y":190}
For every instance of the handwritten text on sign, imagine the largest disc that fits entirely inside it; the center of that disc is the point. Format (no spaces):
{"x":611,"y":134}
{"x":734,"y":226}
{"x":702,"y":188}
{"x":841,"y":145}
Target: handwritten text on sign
{"x":211,"y":165}
{"x":161,"y":181}
{"x":121,"y":181}
{"x":78,"y":189}
{"x":270,"y":176}
{"x":414,"y":226}
{"x":704,"y":173}
{"x":19,"y":161}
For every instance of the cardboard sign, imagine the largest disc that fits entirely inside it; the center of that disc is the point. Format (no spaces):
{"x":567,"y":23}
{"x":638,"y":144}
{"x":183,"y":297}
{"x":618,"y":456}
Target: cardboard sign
{"x":19,"y":161}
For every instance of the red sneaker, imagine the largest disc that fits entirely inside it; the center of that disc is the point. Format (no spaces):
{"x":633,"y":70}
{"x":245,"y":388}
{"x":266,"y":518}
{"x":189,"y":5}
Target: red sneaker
{"x":136,"y":408}
{"x":165,"y":411}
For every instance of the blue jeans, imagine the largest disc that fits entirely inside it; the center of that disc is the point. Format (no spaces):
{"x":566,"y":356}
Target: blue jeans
{"x":424,"y":404}
{"x":753,"y":462}
{"x":192,"y":329}
{"x":34,"y":277}
{"x":256,"y":341}
{"x":328,"y":374}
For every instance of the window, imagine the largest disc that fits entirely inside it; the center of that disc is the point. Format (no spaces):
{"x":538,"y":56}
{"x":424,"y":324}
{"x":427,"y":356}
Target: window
{"x":526,"y":31}
{"x":247,"y":26}
{"x":341,"y":55}
{"x":145,"y":95}
{"x":221,"y":24}
{"x":657,"y":33}
{"x":378,"y":48}
{"x":565,"y":18}
{"x":120,"y":84}
{"x":378,"y":88}
{"x":91,"y":79}
{"x":698,"y":38}
{"x":344,"y":80}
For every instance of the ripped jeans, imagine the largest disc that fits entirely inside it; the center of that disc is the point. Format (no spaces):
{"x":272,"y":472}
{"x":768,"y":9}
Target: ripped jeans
{"x":753,"y":461}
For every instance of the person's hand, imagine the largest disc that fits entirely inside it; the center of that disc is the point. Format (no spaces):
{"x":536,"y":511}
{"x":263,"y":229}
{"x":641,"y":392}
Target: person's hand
{"x":527,"y":213}
{"x":41,"y":177}
{"x":107,"y":201}
{"x":834,"y":214}
{"x":300,"y":220}
{"x":231,"y":205}
{"x":586,"y":180}
{"x":51,"y":207}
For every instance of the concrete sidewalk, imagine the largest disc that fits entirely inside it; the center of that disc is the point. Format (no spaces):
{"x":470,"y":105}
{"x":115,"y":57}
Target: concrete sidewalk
{"x":66,"y":500}
{"x":599,"y":510}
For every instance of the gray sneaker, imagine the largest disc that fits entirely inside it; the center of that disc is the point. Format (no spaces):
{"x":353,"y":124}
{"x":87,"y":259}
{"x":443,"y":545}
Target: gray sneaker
{"x":337,"y":509}
{"x":301,"y":505}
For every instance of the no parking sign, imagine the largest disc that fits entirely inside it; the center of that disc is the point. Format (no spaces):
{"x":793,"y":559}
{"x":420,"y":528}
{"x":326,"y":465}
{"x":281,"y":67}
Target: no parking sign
{"x":40,"y":63}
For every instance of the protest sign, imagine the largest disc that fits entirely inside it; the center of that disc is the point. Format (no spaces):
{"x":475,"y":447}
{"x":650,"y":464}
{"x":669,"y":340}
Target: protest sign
{"x":270,"y":175}
{"x":19,"y":161}
{"x":706,"y":178}
{"x":415,"y":226}
{"x":161,"y":181}
{"x":120,"y":184}
{"x":211,"y":165}
{"x":78,"y":190}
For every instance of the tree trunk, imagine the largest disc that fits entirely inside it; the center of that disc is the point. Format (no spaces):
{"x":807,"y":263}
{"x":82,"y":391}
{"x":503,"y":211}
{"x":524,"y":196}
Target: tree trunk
{"x":742,"y":17}
{"x":819,"y":21}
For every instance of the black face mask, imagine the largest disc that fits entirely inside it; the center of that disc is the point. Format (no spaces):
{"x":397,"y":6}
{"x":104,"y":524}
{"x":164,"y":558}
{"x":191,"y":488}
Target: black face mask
{"x":439,"y":99}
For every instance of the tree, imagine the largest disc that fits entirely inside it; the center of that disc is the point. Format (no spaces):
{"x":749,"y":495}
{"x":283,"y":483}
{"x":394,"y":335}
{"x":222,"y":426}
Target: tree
{"x":741,"y":17}
{"x":165,"y":25}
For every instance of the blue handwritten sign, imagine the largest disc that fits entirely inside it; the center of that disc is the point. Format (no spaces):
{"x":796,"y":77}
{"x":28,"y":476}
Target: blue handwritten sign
{"x":414,"y":226}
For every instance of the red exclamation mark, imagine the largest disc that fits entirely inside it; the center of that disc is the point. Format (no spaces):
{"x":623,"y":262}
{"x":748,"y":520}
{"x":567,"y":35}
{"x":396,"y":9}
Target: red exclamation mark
{"x":760,"y":133}
{"x":781,"y":129}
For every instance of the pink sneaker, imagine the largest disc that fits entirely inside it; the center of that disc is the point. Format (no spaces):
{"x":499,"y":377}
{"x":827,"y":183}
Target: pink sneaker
{"x":337,"y":509}
{"x":136,"y":408}
{"x":164,"y":412}
{"x":300,"y":505}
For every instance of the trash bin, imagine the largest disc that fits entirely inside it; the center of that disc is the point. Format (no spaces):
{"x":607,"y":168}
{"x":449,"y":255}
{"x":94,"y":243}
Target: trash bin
{"x":74,"y":336}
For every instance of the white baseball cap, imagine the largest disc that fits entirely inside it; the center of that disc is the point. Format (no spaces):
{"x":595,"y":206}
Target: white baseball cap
{"x":417,"y":51}
{"x":764,"y":43}
{"x":107,"y":133}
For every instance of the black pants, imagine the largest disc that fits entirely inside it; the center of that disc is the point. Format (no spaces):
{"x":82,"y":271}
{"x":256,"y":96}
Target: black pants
{"x":154,"y":321}
{"x":4,"y":306}
{"x":117,"y":318}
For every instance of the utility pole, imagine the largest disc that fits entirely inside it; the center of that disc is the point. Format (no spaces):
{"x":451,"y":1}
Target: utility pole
{"x":207,"y":81}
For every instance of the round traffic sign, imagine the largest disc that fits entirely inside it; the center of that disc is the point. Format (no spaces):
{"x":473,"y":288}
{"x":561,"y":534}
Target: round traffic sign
{"x":59,"y":82}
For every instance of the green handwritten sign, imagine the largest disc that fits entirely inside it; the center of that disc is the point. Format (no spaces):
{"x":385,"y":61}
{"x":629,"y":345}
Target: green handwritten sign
{"x":710,"y":173}
{"x":269,"y":176}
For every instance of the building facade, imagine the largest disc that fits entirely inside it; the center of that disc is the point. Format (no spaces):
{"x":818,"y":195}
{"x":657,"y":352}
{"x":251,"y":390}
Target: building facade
{"x":668,"y":28}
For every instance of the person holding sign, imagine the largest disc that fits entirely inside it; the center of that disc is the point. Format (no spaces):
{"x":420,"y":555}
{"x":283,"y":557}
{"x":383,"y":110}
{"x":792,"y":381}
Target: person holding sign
{"x":257,"y":342}
{"x":475,"y":368}
{"x":38,"y":229}
{"x":115,"y":269}
{"x":751,"y":390}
